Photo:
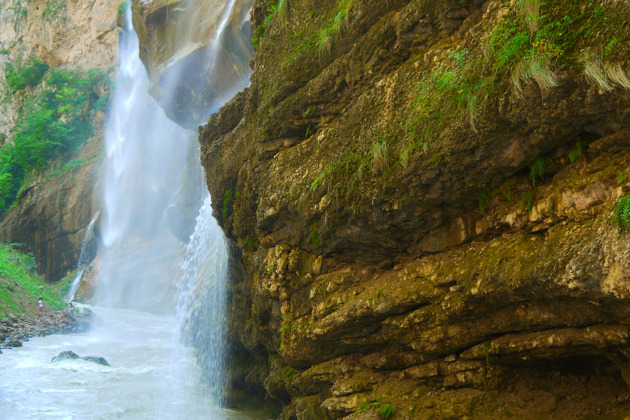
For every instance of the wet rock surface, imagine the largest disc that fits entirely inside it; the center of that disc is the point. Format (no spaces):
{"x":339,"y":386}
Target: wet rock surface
{"x":16,"y":329}
{"x":70,"y":355}
{"x":401,"y":251}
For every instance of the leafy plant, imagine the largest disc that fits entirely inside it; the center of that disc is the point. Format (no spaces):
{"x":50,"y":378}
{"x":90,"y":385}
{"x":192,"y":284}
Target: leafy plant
{"x":537,"y":170}
{"x":387,"y":411}
{"x":576,"y":152}
{"x":25,"y":75}
{"x":332,"y":32}
{"x":482,"y":200}
{"x":527,"y":201}
{"x":621,"y":217}
{"x":123,"y":7}
{"x":486,"y":351}
{"x":227,"y":197}
{"x":286,"y":327}
{"x":378,"y":157}
{"x":438,"y":158}
{"x":20,"y":286}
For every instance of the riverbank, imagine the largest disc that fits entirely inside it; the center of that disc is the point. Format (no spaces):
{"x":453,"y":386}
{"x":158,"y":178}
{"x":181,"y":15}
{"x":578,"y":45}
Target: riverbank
{"x":16,"y":329}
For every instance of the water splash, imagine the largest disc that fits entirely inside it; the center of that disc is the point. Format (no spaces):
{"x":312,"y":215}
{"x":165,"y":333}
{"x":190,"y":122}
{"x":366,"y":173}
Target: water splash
{"x":203,"y":298}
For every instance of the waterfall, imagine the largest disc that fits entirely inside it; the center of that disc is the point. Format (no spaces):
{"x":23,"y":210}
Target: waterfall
{"x":147,"y":156}
{"x":82,"y":261}
{"x":156,"y":255}
{"x":202,"y":297}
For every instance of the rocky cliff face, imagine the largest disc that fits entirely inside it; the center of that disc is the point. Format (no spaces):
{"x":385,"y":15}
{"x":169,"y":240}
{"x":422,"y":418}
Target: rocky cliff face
{"x":56,"y":206}
{"x":196,"y":53}
{"x":422,"y":196}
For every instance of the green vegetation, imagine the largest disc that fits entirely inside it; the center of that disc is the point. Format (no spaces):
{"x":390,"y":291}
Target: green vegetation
{"x":52,"y":122}
{"x":122,"y":7}
{"x":537,"y":170}
{"x":621,"y":218}
{"x":486,"y":351}
{"x":20,"y":287}
{"x":527,"y":201}
{"x":576,"y":152}
{"x":227,"y":198}
{"x":482,"y":200}
{"x":330,"y":33}
{"x":379,"y":157}
{"x":53,"y":9}
{"x":286,"y":327}
{"x":24,"y":75}
{"x":385,"y":410}
{"x":280,"y":8}
{"x":527,"y":45}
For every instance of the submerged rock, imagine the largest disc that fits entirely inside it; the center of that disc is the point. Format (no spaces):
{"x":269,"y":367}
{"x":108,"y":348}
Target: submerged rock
{"x":96,"y":359}
{"x":65,"y":355}
{"x":70,"y":355}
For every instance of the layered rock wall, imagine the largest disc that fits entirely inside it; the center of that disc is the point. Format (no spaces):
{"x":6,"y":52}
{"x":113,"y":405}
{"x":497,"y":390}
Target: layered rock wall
{"x":422,"y":196}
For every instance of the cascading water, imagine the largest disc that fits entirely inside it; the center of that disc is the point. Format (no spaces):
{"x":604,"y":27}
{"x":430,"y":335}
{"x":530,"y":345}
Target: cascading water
{"x":147,"y":157}
{"x":82,"y":261}
{"x":202,"y":296}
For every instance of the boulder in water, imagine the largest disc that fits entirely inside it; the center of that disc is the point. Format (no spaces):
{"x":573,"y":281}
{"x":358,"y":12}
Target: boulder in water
{"x":70,"y":355}
{"x":65,"y":355}
{"x":95,"y":359}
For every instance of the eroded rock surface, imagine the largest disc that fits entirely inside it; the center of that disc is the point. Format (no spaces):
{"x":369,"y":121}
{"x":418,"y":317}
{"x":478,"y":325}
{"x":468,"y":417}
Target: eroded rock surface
{"x":196,"y":53}
{"x":421,"y":193}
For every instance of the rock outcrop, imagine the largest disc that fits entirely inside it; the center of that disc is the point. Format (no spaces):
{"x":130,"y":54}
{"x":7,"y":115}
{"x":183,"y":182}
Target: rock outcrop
{"x":70,"y":355}
{"x":55,"y":207}
{"x":422,"y":195}
{"x":200,"y":50}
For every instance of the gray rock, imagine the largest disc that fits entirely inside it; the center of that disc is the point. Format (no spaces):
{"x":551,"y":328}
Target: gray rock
{"x":65,"y":355}
{"x":70,"y":355}
{"x":95,"y":359}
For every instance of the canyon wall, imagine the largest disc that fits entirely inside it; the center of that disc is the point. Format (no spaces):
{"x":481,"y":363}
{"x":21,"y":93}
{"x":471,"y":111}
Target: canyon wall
{"x":55,"y":206}
{"x":421,"y":195}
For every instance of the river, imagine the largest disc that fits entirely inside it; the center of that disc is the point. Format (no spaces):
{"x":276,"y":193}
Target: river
{"x":151,"y":376}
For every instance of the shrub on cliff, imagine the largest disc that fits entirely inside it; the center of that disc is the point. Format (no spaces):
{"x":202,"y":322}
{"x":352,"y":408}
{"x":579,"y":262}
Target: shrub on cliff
{"x":21,"y":76}
{"x":52,"y":123}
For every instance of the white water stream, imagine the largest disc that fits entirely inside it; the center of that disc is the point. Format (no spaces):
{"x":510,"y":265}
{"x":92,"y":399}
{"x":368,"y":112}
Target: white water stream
{"x":140,"y":384}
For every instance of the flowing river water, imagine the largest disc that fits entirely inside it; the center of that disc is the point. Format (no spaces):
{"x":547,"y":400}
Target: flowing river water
{"x":151,"y":376}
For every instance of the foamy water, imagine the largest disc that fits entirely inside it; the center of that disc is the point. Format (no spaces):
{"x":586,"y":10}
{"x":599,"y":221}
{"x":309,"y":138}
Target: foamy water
{"x":141,"y":383}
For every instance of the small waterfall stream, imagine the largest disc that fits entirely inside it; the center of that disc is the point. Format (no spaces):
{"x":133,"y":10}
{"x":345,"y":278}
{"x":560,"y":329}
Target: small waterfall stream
{"x":82,"y":261}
